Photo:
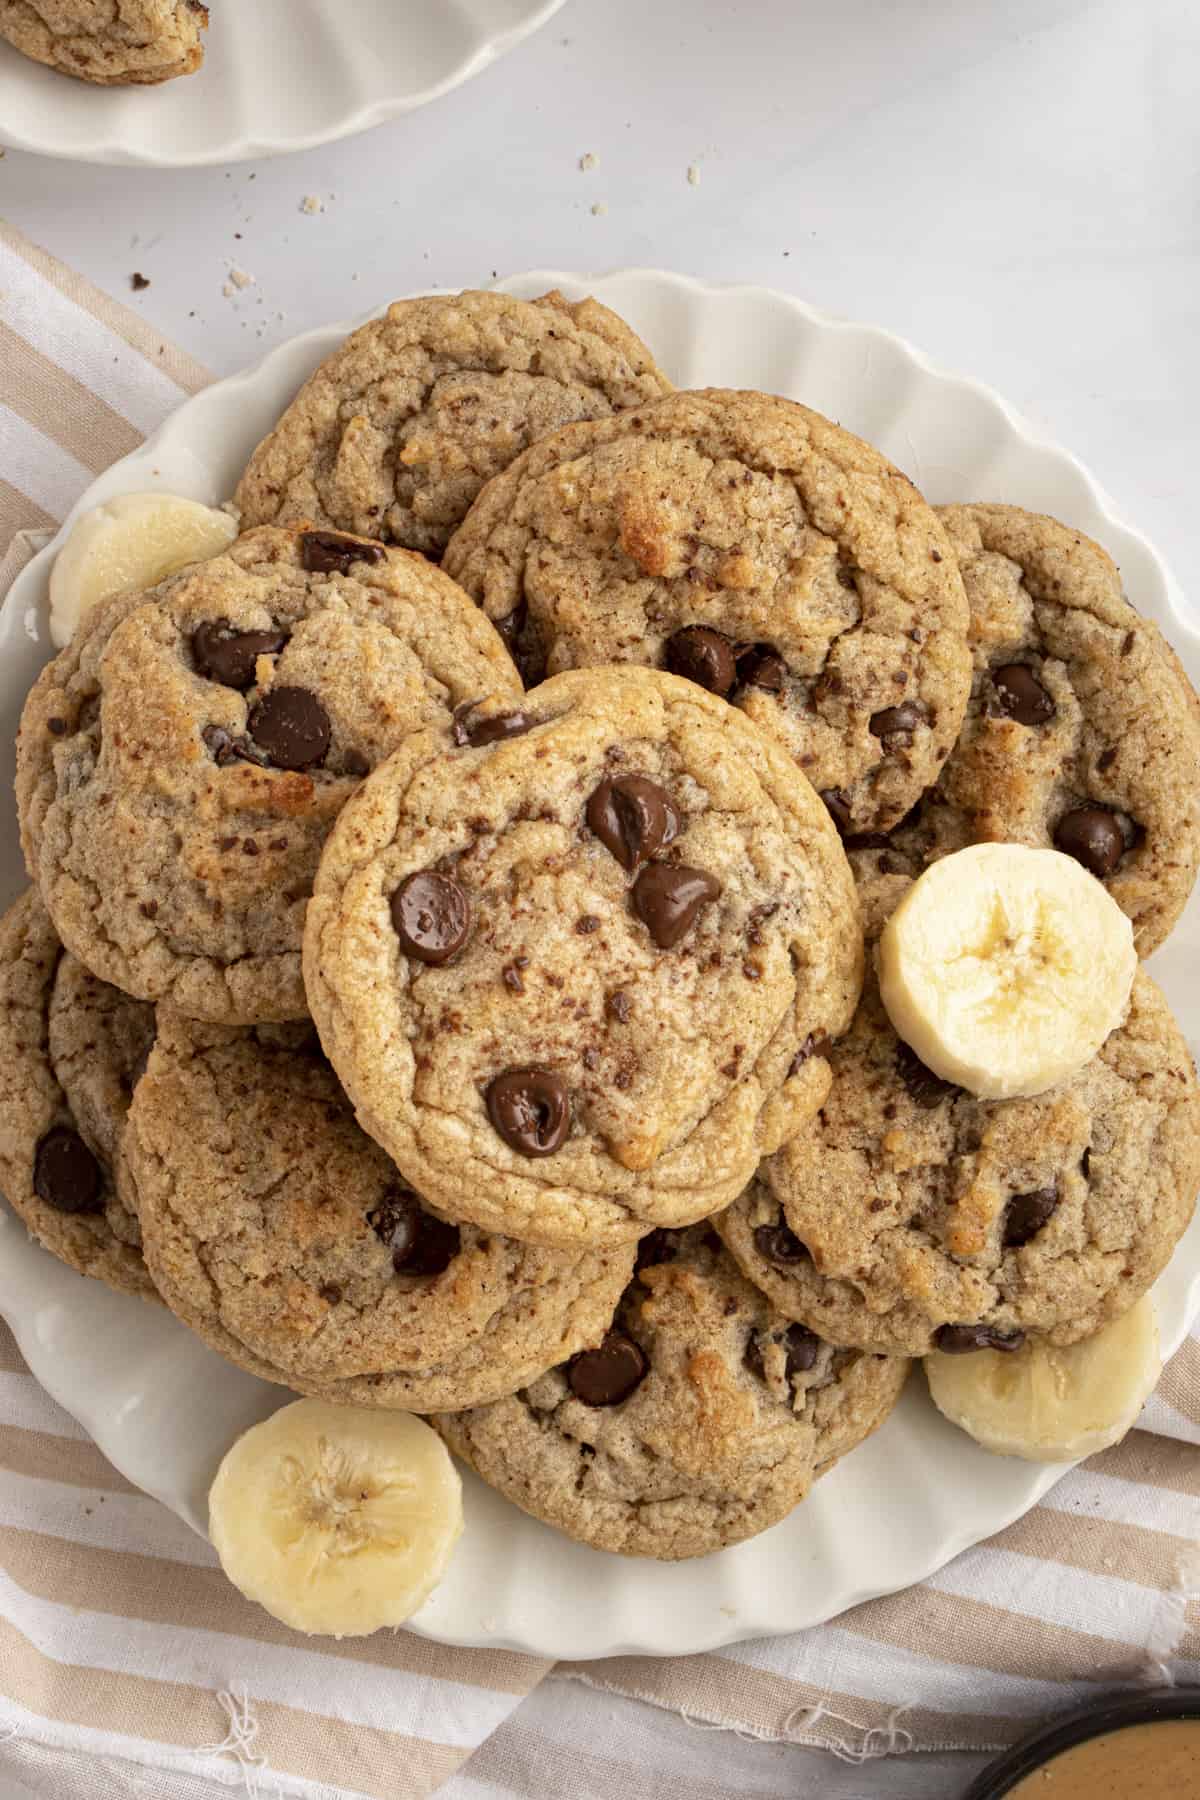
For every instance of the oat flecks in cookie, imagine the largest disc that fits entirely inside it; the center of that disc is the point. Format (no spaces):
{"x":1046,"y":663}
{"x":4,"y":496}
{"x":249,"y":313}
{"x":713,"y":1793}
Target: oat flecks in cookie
{"x":1082,"y":731}
{"x":111,"y":42}
{"x":180,"y":763}
{"x":397,"y":431}
{"x":703,"y":1418}
{"x":925,"y":1217}
{"x":751,"y":545}
{"x":71,"y":1051}
{"x":598,"y":1055}
{"x":283,"y":1235}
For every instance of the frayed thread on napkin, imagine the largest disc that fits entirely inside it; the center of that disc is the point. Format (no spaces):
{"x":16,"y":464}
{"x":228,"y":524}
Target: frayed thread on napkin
{"x":873,"y":1741}
{"x":238,"y":1743}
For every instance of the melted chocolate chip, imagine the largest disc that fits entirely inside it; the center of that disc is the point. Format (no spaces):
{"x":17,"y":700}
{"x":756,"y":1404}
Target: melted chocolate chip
{"x":419,"y":1243}
{"x":667,"y":897}
{"x":1021,"y":695}
{"x":633,"y":817}
{"x":658,"y":1246}
{"x":780,"y":1245}
{"x":925,"y":1088}
{"x":703,"y":656}
{"x":606,"y":1376}
{"x":1026,"y":1214}
{"x":65,"y":1173}
{"x":331,"y":553}
{"x":230,"y":657}
{"x":956,"y":1340}
{"x":1092,"y":835}
{"x":432,"y":916}
{"x":490,"y":729}
{"x":619,"y":1006}
{"x":803,"y":1346}
{"x":531,"y":1110}
{"x":292,"y":727}
{"x":896,"y":726}
{"x":814,"y":1044}
{"x":837,"y":803}
{"x":225,"y":749}
{"x":762,"y":667}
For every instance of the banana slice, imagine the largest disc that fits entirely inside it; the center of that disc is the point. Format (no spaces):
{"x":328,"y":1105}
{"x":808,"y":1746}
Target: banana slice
{"x":1005,"y":968}
{"x":130,"y":542}
{"x":1051,"y":1405}
{"x":336,"y":1519}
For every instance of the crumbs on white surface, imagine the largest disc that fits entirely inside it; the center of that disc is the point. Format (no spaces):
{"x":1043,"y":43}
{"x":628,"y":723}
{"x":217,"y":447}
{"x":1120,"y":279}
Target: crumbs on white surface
{"x":238,"y":279}
{"x":599,"y":208}
{"x":589,"y":160}
{"x":312,"y":203}
{"x":693,"y":174}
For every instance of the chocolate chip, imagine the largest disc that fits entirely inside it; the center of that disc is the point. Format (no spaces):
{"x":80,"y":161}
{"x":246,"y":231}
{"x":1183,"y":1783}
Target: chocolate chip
{"x":780,"y":1245}
{"x":658,"y":1246}
{"x":57,"y":726}
{"x":223,"y":654}
{"x":490,"y":729}
{"x":606,"y":1376}
{"x":1093,"y":837}
{"x":667,"y":898}
{"x":432,"y":916}
{"x":531,"y":1110}
{"x":510,"y":974}
{"x":1026,"y":1215}
{"x":354,"y":763}
{"x":292,"y":727}
{"x":332,"y":553}
{"x":703,"y":656}
{"x":927,"y":1089}
{"x":619,"y":1006}
{"x":956,"y":1340}
{"x":895,"y":726}
{"x":837,"y":803}
{"x":65,"y":1173}
{"x":762,"y":667}
{"x":586,"y":924}
{"x":803,"y":1347}
{"x":419,"y":1243}
{"x":330,"y":1292}
{"x":1021,"y":695}
{"x":225,"y":749}
{"x":633,"y":817}
{"x":814,"y":1044}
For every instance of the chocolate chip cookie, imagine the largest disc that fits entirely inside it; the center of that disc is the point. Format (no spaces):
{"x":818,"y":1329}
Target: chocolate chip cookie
{"x":71,"y":1050}
{"x":283,"y":1235}
{"x":752,"y":546}
{"x":914,"y":1217}
{"x":180,"y":763}
{"x":1082,"y":730}
{"x":397,"y":431}
{"x":578,"y":978}
{"x":702,"y":1418}
{"x":111,"y":42}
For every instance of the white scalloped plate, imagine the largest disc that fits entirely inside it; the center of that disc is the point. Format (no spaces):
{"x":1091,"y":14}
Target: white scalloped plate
{"x":163,"y":1408}
{"x":336,"y":67}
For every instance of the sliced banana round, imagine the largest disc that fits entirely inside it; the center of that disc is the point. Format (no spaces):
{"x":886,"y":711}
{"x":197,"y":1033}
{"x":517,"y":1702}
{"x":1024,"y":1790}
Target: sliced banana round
{"x":1051,"y":1405}
{"x":336,"y":1519}
{"x":131,"y":541}
{"x":1005,"y":968}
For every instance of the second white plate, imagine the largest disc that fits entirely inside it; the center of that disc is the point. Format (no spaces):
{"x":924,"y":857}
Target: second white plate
{"x":164,"y":1408}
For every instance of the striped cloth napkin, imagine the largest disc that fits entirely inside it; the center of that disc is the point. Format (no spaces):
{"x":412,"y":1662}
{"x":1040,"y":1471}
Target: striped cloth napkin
{"x":120,"y":1638}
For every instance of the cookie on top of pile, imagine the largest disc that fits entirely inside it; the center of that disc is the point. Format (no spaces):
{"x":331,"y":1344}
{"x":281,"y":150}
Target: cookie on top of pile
{"x":595,"y":856}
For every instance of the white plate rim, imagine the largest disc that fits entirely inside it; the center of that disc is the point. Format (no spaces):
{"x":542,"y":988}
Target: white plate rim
{"x":110,"y":149}
{"x":654,"y":1638}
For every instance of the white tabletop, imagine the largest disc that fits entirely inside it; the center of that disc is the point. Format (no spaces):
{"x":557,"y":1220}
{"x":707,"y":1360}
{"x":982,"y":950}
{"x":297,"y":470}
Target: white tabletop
{"x":1008,"y":183}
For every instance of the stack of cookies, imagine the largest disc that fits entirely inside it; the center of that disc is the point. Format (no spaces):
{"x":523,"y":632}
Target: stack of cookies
{"x":452,"y":988}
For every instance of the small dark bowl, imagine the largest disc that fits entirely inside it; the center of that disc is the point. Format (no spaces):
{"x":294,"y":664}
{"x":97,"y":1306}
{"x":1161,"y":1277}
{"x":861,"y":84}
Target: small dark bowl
{"x":1095,"y":1720}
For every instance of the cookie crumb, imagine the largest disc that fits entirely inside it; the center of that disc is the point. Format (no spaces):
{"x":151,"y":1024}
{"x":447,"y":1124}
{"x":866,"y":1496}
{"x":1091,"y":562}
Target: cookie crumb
{"x":589,"y":160}
{"x":239,"y":278}
{"x":693,"y":174}
{"x":599,"y":208}
{"x":312,"y":203}
{"x":138,"y":281}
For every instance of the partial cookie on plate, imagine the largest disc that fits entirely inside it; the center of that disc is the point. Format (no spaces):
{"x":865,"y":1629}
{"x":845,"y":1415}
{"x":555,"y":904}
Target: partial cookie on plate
{"x":71,"y":1051}
{"x":114,"y":43}
{"x":396,"y":432}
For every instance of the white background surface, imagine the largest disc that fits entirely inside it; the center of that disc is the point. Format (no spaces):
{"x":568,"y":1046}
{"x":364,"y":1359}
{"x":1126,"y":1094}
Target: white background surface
{"x":1012,"y":184}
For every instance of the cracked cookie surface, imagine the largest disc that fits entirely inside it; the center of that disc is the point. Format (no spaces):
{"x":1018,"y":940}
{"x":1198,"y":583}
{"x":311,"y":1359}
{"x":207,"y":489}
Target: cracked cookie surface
{"x":284,"y":1236}
{"x":752,"y":545}
{"x":397,"y":431}
{"x":180,"y":763}
{"x":704,"y":1418}
{"x":576,"y":979}
{"x":911,"y":1209}
{"x":111,"y":42}
{"x":1082,"y":732}
{"x":71,"y":1051}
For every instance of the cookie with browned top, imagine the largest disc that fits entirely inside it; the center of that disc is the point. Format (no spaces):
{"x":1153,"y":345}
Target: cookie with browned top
{"x":752,"y":545}
{"x":702,"y":1419}
{"x":111,"y":42}
{"x":71,"y":1051}
{"x":1082,"y":731}
{"x":283,"y":1235}
{"x":912,"y":1216}
{"x":180,"y":763}
{"x":576,"y":978}
{"x":396,"y":432}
